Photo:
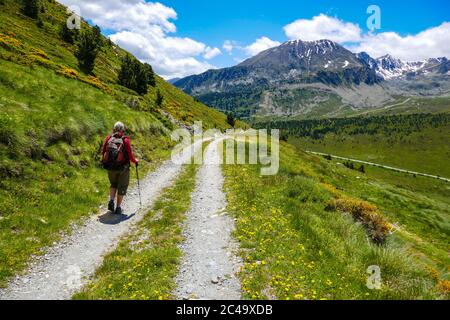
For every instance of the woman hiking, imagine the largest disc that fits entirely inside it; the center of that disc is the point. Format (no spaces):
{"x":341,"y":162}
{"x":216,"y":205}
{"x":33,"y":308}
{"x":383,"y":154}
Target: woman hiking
{"x":117,"y":156}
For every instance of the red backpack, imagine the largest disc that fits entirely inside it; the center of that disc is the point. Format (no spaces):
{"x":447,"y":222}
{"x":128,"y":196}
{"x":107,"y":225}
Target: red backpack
{"x":115,"y":156}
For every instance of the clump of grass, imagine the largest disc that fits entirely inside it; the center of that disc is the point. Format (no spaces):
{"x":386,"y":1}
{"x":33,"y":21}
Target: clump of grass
{"x":366,"y":213}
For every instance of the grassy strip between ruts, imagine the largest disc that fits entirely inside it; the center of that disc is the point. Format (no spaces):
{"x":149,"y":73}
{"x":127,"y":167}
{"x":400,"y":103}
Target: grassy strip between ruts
{"x":145,"y":263}
{"x":293,"y":248}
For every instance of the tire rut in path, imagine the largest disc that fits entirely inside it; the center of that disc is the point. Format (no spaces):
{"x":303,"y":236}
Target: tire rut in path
{"x":64,"y":269}
{"x":210,"y":262}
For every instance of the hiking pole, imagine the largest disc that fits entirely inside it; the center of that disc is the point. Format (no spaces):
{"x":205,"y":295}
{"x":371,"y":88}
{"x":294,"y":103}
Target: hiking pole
{"x":139,"y":185}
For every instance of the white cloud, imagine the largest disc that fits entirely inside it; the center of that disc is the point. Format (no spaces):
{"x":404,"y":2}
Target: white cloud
{"x":143,"y":28}
{"x":260,"y":45}
{"x":229,"y":46}
{"x":429,"y":43}
{"x":323,"y":27}
{"x":211,"y":53}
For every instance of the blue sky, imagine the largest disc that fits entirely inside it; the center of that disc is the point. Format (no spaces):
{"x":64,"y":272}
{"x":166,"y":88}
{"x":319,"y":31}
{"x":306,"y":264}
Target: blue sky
{"x":213,"y":22}
{"x":183,"y":37}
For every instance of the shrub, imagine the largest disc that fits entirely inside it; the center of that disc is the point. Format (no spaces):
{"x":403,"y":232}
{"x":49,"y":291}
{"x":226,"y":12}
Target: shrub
{"x":69,"y":73}
{"x":366,"y":213}
{"x":39,"y":53}
{"x":96,"y":82}
{"x":349,"y":165}
{"x":362,"y":169}
{"x":444,"y":287}
{"x":10,"y":43}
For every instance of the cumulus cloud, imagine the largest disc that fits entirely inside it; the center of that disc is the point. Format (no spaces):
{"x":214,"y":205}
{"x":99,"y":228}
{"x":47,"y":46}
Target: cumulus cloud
{"x":144,"y":28}
{"x":323,"y":27}
{"x":429,"y":43}
{"x":229,"y":46}
{"x":211,"y":53}
{"x":260,"y":45}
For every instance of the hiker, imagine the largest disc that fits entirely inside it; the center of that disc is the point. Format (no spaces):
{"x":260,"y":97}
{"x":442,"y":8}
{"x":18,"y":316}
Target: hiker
{"x":117,"y":155}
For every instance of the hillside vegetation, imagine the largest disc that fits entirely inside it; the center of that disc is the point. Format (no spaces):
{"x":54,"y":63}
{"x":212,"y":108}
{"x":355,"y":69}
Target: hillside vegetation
{"x":53,"y":120}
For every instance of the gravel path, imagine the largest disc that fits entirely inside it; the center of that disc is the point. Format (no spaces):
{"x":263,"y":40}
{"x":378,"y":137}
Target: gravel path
{"x":68,"y":264}
{"x":209,"y":265}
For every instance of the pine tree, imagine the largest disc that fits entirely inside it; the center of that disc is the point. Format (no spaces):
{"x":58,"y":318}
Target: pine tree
{"x":231,"y":120}
{"x":159,"y":98}
{"x":31,"y":8}
{"x":88,"y":45}
{"x":150,"y":75}
{"x":126,"y":77}
{"x":68,"y":35}
{"x":135,"y":75}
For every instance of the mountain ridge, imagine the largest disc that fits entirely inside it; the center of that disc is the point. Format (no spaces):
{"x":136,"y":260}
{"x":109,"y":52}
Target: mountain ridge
{"x":274,"y":81}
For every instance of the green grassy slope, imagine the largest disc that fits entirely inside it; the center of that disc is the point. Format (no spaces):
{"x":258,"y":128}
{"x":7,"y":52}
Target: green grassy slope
{"x":410,"y":105}
{"x":52,"y":122}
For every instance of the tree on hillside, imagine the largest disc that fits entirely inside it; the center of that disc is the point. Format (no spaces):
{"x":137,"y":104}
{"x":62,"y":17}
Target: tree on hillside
{"x":159,"y":98}
{"x":31,"y":8}
{"x":135,"y":75}
{"x":231,"y":120}
{"x":126,"y":73}
{"x":150,"y":75}
{"x":98,"y":35}
{"x":68,"y":35}
{"x":88,"y":45}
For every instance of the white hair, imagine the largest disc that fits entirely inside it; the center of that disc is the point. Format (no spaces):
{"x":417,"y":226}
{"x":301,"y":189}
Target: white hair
{"x":118,"y":127}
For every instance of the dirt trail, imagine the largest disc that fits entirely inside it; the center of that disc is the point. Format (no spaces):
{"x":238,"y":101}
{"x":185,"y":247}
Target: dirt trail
{"x":209,"y":265}
{"x":66,"y":266}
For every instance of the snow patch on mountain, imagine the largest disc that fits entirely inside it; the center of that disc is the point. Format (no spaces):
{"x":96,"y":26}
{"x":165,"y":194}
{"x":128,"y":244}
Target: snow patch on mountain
{"x":388,"y":67}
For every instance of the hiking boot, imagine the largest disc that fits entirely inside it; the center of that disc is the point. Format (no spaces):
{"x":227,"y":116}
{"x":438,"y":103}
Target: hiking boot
{"x":111,"y":206}
{"x":118,"y":211}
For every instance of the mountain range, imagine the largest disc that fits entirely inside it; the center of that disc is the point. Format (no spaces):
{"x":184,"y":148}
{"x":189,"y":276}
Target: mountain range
{"x":316,"y":79}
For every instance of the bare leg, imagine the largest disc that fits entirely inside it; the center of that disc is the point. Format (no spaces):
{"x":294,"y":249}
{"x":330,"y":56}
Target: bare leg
{"x":119,"y":200}
{"x":112,"y":194}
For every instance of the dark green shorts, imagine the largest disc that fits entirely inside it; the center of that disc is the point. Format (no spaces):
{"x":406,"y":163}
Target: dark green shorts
{"x":120,"y":180}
